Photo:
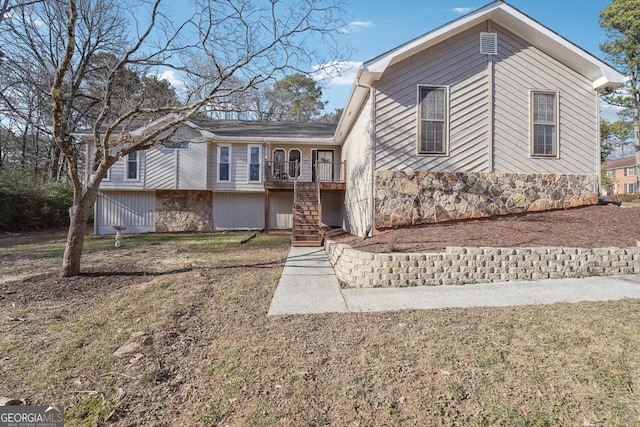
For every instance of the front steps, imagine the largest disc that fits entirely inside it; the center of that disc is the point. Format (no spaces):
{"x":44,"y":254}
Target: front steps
{"x":307,"y":225}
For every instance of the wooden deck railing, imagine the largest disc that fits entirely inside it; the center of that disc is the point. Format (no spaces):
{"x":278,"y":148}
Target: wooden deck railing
{"x":277,"y":171}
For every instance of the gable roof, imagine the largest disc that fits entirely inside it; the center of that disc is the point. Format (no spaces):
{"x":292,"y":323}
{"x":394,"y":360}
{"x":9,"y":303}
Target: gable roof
{"x":268,"y":130}
{"x":600,"y":73}
{"x":199,"y":129}
{"x":604,"y":77}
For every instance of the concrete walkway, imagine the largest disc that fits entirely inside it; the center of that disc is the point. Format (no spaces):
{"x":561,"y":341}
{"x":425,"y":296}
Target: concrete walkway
{"x":308,"y":285}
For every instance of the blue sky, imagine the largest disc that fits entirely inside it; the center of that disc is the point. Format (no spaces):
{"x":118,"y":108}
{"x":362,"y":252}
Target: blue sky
{"x":377,"y":26}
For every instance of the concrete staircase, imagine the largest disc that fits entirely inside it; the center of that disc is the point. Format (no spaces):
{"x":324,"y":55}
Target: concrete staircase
{"x":307,"y":214}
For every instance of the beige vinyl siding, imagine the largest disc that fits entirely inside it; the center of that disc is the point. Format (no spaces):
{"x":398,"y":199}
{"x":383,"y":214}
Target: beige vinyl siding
{"x":332,"y":208}
{"x":519,"y":69}
{"x":132,"y":209}
{"x":239,"y":173}
{"x":160,"y":171}
{"x":238,"y":211}
{"x":357,"y":151}
{"x":245,"y":211}
{"x":458,"y":65}
{"x":117,"y":171}
{"x":192,"y":167}
{"x":280,"y":209}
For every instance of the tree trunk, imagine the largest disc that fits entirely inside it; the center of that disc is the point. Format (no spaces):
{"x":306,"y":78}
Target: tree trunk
{"x":55,"y":163}
{"x":75,"y":239}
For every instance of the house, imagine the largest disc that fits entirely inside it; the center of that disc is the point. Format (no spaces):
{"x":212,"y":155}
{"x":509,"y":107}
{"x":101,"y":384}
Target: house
{"x":490,"y":114}
{"x":623,"y":172}
{"x":221,"y":175}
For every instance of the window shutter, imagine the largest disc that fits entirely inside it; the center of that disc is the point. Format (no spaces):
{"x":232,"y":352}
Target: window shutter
{"x":489,"y":43}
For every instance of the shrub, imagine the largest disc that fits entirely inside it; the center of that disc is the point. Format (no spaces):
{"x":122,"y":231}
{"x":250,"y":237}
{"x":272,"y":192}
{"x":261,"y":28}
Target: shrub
{"x":26,"y":204}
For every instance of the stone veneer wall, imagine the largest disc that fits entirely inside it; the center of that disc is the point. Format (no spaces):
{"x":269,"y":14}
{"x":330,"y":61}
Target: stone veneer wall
{"x":182,"y":210}
{"x":459,"y":265}
{"x":407,"y":197}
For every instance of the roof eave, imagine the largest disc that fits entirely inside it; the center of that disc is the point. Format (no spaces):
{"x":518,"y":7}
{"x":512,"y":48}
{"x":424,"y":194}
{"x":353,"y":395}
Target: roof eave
{"x":271,"y":140}
{"x":604,"y":77}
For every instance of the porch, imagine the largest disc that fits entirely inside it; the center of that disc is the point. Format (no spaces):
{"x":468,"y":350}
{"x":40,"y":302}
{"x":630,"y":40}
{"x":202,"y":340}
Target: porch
{"x":307,"y":187}
{"x":281,"y":175}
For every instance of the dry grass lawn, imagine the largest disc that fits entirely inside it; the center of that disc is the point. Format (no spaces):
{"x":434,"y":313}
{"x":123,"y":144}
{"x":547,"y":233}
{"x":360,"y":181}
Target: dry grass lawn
{"x":204,"y":352}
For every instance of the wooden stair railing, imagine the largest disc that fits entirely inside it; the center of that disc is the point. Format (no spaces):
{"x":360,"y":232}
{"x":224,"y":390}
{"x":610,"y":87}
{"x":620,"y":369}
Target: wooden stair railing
{"x":307,"y":216}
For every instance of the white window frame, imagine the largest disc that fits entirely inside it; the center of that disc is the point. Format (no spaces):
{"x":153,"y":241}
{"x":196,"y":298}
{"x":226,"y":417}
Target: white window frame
{"x":626,"y":187}
{"x":177,"y":145}
{"x":299,"y":162}
{"x":631,"y":169}
{"x":220,"y":146}
{"x":445,"y":142}
{"x":610,"y":173}
{"x":556,"y":124}
{"x":279,"y":171}
{"x":127,"y":164}
{"x":249,"y":147}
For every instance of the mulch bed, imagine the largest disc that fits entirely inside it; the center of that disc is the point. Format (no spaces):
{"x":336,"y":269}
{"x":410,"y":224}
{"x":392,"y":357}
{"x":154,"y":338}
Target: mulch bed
{"x":592,"y":226}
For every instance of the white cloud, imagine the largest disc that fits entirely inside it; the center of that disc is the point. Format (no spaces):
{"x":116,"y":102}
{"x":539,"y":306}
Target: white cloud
{"x":337,"y":73}
{"x":461,"y":10}
{"x":172,"y":77}
{"x":355,"y":26}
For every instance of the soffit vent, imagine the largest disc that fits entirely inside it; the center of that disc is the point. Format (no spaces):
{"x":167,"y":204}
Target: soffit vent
{"x":489,"y":43}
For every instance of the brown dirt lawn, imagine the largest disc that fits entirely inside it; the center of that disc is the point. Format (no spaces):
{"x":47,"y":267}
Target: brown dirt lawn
{"x":192,"y":311}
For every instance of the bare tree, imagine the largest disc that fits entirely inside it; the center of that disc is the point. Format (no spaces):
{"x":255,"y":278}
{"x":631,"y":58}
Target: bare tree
{"x":246,"y":42}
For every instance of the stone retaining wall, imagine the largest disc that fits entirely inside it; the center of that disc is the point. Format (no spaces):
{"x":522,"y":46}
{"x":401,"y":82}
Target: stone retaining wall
{"x":182,"y":210}
{"x":417,"y":197}
{"x":459,"y":265}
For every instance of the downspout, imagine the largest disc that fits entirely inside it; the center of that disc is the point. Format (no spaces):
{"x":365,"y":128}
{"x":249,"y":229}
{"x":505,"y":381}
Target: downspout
{"x":372,"y":97}
{"x":599,"y":145}
{"x":491,"y":72}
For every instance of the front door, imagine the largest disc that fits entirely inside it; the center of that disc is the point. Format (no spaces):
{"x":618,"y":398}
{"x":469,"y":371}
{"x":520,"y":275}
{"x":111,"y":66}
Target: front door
{"x":323,"y":165}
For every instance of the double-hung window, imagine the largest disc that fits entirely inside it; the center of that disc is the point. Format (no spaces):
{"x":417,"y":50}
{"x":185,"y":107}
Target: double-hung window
{"x":630,"y":187}
{"x":432,"y":127}
{"x":132,"y":166}
{"x":253,"y":156}
{"x":224,"y":163}
{"x":630,"y":171}
{"x":544,"y":124}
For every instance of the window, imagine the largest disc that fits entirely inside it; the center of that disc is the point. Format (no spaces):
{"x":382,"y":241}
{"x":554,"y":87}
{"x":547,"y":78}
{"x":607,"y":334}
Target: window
{"x":177,"y":145}
{"x":544,"y":133}
{"x":253,"y":156}
{"x":432,"y":130}
{"x":132,"y":166}
{"x":610,"y":173}
{"x":294,"y":161}
{"x":224,"y":163}
{"x":630,"y":187}
{"x":279,"y":168}
{"x":630,"y":171}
